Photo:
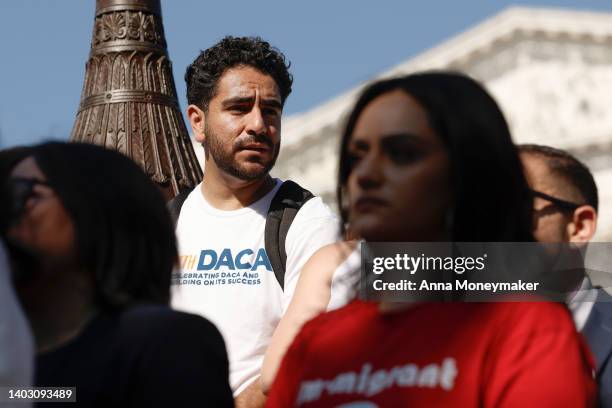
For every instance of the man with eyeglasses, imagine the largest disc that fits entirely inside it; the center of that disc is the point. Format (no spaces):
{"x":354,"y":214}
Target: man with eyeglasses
{"x":565,"y":210}
{"x":565,"y":195}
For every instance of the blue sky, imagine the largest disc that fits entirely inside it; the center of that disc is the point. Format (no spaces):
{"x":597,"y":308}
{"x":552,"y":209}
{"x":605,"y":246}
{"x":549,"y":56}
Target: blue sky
{"x":333,"y":45}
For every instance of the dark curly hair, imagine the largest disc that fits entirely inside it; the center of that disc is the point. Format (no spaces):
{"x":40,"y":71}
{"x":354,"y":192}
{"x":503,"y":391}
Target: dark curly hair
{"x":203,"y":74}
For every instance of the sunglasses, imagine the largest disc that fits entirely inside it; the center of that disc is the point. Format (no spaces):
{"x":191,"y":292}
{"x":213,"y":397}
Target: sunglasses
{"x":17,"y":191}
{"x":562,"y":204}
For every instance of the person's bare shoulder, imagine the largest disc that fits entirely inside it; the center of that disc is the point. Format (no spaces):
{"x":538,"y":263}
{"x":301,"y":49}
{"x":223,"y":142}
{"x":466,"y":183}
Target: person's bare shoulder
{"x":329,"y":257}
{"x":336,"y":252}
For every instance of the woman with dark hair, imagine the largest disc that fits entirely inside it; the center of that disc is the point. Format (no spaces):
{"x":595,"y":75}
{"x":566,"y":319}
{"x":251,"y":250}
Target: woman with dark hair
{"x":97,"y":298}
{"x":428,"y":158}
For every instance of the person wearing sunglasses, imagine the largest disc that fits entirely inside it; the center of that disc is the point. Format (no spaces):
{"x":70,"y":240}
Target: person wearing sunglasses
{"x":565,"y":202}
{"x":97,"y":286}
{"x":565,"y":195}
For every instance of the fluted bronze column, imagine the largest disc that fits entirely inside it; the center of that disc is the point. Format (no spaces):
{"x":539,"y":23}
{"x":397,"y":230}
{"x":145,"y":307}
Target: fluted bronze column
{"x":129,"y":98}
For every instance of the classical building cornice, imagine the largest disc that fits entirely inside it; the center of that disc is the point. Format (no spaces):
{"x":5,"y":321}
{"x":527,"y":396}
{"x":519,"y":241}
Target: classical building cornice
{"x":516,"y":24}
{"x":549,"y":69}
{"x":128,"y":102}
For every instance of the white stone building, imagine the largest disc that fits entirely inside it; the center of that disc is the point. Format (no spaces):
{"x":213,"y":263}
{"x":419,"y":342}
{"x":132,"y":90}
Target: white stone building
{"x":550,"y":70}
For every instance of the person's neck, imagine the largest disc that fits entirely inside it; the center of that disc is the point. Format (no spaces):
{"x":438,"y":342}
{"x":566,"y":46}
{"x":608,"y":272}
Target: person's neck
{"x":432,"y":235}
{"x":226,"y":192}
{"x":58,"y":308}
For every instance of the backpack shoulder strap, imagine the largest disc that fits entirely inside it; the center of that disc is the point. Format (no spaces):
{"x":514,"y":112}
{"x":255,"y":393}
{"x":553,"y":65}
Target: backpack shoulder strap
{"x":287,"y":201}
{"x":175,"y":205}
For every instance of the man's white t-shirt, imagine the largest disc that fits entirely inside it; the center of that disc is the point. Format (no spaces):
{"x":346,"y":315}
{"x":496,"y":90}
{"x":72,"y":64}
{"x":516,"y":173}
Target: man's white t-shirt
{"x":16,"y":342}
{"x":225,"y":274}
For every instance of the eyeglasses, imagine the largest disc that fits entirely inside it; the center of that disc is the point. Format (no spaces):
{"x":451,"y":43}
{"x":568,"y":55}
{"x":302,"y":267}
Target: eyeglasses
{"x":17,"y":191}
{"x":562,"y":204}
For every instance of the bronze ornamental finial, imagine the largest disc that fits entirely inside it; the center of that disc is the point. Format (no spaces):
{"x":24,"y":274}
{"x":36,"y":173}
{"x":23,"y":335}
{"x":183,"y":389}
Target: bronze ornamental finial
{"x":129,"y":98}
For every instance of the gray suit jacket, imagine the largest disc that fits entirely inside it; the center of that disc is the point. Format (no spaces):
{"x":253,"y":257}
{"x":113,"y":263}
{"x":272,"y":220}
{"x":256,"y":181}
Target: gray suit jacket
{"x":598,"y":332}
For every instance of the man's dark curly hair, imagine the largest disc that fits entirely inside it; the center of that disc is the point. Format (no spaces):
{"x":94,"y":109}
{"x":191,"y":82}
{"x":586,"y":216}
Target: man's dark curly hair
{"x":203,"y":74}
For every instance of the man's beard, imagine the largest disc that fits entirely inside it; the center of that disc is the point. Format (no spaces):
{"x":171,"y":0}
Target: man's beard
{"x":225,"y":159}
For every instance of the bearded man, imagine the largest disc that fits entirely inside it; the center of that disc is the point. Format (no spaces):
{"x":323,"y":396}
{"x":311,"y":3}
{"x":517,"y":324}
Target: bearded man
{"x":236,"y":91}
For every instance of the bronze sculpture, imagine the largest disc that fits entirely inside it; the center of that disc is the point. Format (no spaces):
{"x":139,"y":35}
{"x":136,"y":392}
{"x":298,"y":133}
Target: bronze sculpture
{"x":129,"y":102}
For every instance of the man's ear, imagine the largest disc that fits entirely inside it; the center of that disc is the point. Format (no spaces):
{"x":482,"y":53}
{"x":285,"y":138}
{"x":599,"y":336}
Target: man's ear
{"x":583,"y":225}
{"x":197,"y":120}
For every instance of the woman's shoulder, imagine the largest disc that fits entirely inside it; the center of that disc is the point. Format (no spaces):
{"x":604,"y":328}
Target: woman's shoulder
{"x":146,"y":321}
{"x":542,"y":312}
{"x":148,"y":313}
{"x":156,"y":334}
{"x":528,"y":318}
{"x":160,"y":349}
{"x":329,"y":257}
{"x":339,"y":250}
{"x":354,"y":313}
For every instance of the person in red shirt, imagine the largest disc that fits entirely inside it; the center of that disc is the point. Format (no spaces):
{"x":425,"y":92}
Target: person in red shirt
{"x":429,"y":158}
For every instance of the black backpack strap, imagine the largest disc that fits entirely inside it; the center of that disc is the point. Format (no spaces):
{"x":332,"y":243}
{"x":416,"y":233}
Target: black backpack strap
{"x":287,"y":201}
{"x":175,"y":205}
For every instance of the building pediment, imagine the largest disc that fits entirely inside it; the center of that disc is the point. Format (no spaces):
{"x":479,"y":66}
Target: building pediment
{"x":540,"y":56}
{"x":549,"y":69}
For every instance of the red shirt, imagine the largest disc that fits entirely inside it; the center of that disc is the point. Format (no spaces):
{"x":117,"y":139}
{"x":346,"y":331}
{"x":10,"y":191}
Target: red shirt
{"x":437,"y":355}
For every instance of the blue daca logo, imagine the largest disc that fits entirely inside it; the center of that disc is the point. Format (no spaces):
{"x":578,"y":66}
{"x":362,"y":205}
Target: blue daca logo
{"x":211,"y":260}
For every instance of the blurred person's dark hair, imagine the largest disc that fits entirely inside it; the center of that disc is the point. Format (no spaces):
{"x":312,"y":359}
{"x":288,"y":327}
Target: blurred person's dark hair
{"x":492,"y":201}
{"x":23,"y":262}
{"x":566,"y":166}
{"x":8,"y":159}
{"x":204,"y":73}
{"x":124,"y":235}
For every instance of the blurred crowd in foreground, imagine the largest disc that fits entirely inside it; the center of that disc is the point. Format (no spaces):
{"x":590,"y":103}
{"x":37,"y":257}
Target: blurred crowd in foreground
{"x":244,"y":291}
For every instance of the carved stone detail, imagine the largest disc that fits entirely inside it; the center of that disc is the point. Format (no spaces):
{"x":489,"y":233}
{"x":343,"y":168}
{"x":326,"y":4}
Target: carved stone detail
{"x":130,"y":25}
{"x":129,"y":102}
